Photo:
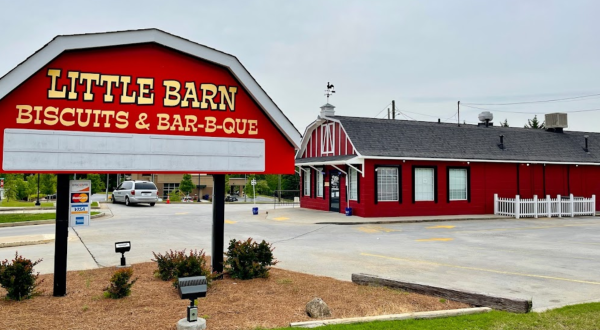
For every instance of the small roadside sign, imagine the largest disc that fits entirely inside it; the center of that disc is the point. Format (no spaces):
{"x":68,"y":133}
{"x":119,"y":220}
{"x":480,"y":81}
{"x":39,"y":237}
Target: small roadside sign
{"x":253,"y":182}
{"x":1,"y":183}
{"x":80,"y":192}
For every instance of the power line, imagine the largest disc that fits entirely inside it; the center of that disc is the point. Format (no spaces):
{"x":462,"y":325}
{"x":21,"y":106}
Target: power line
{"x":540,"y":101}
{"x":529,"y":113}
{"x":383,"y":109}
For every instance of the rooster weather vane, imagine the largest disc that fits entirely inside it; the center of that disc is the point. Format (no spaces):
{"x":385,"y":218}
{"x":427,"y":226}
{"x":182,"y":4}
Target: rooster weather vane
{"x":329,"y":91}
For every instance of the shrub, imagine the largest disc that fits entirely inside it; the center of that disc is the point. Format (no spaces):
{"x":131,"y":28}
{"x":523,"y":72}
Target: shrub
{"x":175,"y":196}
{"x":18,"y":279}
{"x":120,"y":286}
{"x":249,"y":259}
{"x":175,"y":264}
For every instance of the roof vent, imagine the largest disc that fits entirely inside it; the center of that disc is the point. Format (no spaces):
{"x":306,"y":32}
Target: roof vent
{"x":485,"y":119}
{"x":327,"y":110}
{"x":556,"y":121}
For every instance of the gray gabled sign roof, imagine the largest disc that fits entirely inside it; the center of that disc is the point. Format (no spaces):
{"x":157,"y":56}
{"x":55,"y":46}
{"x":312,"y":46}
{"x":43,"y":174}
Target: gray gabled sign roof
{"x":64,"y":43}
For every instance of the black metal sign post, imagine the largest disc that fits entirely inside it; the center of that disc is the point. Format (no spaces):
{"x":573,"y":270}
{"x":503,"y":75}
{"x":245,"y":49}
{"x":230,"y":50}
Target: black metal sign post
{"x":62,"y":235}
{"x":218,"y":228}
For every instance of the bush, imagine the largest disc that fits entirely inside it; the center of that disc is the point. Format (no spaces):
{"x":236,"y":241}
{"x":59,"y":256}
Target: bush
{"x":18,"y":279}
{"x":175,"y":196}
{"x":175,"y":264}
{"x":120,"y":286}
{"x":249,"y":259}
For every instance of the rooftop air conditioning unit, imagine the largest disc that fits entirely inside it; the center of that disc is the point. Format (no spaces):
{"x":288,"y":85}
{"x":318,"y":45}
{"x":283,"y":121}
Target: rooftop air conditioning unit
{"x":556,"y":120}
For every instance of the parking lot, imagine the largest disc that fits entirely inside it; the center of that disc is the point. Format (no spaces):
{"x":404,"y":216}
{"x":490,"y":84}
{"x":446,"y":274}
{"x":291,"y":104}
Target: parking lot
{"x":552,"y":261}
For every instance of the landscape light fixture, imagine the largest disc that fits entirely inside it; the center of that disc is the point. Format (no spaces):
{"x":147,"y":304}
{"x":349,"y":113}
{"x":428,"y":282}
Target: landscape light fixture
{"x":192,"y":288}
{"x":122,"y":247}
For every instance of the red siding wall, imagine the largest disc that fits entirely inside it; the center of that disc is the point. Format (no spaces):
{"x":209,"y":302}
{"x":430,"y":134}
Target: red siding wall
{"x":486,"y":179}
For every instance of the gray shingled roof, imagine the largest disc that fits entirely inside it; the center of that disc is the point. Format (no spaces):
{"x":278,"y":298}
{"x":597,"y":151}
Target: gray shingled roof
{"x":402,"y":138}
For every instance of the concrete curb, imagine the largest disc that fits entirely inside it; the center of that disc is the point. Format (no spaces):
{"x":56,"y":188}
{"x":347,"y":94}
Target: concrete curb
{"x":41,"y":222}
{"x":393,"y":317}
{"x":25,"y":209}
{"x":13,"y":244}
{"x":383,"y":222}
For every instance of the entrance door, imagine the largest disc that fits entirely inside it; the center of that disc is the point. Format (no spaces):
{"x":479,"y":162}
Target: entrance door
{"x":334,"y":192}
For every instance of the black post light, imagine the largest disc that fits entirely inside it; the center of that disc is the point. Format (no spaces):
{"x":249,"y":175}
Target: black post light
{"x":37,"y":203}
{"x":122,"y":247}
{"x":192,"y":288}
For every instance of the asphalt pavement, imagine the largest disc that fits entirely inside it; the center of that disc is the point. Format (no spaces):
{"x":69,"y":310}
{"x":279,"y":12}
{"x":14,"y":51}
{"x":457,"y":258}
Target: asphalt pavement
{"x":552,"y":261}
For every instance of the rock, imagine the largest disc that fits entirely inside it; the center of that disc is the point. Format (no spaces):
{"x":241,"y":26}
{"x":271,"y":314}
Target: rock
{"x":317,"y":308}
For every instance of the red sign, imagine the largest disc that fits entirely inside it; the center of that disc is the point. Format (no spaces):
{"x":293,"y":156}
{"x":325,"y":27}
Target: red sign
{"x":1,"y":183}
{"x":142,"y":89}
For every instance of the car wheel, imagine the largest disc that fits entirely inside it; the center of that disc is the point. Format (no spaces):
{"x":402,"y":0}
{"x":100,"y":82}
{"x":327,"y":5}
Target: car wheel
{"x":152,"y":204}
{"x":127,"y":201}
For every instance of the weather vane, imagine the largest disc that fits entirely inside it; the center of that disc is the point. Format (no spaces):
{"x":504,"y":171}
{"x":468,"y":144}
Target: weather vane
{"x":329,"y":91}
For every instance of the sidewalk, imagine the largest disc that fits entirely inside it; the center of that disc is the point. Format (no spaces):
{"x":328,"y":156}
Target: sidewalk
{"x":25,"y":240}
{"x":308,"y":216}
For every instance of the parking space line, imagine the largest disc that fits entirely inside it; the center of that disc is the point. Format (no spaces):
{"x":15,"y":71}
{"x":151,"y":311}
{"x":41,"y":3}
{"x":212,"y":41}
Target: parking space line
{"x":182,"y":213}
{"x":481,"y":269}
{"x":435,"y":239}
{"x":441,"y":227}
{"x":376,"y":229}
{"x":527,"y":228}
{"x":281,"y":219}
{"x":231,"y":222}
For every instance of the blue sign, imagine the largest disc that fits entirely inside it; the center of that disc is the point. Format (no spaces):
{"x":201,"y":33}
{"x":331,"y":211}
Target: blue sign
{"x":79,"y":220}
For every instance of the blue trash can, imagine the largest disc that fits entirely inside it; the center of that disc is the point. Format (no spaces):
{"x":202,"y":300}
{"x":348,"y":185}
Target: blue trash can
{"x":348,"y":211}
{"x":255,"y":210}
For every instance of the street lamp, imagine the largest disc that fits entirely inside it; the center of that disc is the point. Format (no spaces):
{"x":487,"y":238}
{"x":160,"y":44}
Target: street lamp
{"x":37,"y":203}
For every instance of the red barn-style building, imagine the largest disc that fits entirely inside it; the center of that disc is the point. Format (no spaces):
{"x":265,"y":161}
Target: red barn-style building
{"x":388,"y":168}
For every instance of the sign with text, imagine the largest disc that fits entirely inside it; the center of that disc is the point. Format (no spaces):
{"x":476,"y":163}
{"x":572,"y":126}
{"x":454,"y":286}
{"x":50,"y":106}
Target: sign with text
{"x":80,"y":203}
{"x":139,"y":108}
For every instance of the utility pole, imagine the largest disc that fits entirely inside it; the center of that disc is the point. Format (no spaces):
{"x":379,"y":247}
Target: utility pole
{"x":245,"y":184}
{"x":394,"y":109}
{"x":458,"y":113}
{"x":107,"y":176}
{"x":280,"y":188}
{"x":37,"y":203}
{"x":388,"y":113}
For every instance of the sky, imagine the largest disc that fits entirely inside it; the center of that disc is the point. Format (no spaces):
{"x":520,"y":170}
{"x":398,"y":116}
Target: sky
{"x":425,"y":55}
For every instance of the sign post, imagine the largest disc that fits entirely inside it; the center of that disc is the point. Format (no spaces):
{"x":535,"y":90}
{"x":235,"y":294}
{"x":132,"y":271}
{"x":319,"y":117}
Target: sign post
{"x":253,"y":182}
{"x":1,"y":189}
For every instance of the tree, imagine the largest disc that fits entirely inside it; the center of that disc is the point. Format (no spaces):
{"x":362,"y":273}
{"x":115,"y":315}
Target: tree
{"x":504,"y":124}
{"x":22,"y":188}
{"x":98,"y":184}
{"x":186,"y":185}
{"x":534,"y":123}
{"x":10,"y":187}
{"x":48,"y":184}
{"x":32,"y":186}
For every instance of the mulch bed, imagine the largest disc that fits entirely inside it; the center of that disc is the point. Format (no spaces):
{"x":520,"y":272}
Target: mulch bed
{"x":230,"y":304}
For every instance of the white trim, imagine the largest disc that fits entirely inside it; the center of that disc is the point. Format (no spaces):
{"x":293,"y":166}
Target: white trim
{"x":339,"y":140}
{"x":339,"y":169}
{"x":347,"y":136}
{"x":314,"y":125}
{"x":357,"y":170}
{"x":479,"y":160}
{"x":61,"y":44}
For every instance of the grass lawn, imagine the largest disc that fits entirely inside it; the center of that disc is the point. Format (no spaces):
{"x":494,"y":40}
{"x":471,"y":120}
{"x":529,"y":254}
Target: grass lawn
{"x":577,"y":317}
{"x":94,"y":204}
{"x":20,"y":217}
{"x":4,"y":203}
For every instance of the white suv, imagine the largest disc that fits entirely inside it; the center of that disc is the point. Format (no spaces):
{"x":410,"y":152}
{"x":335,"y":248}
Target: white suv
{"x":133,"y":192}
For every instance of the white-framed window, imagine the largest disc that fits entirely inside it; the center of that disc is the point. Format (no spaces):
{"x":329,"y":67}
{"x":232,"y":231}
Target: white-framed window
{"x":387,"y":184}
{"x":306,"y":185}
{"x":353,"y":184}
{"x":424,"y":184}
{"x":457,"y":184}
{"x":319,"y":183}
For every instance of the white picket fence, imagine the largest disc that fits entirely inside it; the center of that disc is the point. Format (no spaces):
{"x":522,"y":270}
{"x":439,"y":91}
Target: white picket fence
{"x":561,"y":206}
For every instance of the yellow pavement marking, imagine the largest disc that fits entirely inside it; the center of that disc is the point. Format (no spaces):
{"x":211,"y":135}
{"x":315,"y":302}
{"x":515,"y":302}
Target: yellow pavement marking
{"x":281,"y":219}
{"x":482,"y":269}
{"x":528,"y":228}
{"x":182,"y":213}
{"x":445,"y":239}
{"x":230,"y":222}
{"x":376,"y":229}
{"x":440,"y":227}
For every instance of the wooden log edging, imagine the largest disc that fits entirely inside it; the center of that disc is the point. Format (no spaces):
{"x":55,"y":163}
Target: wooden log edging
{"x":471,"y":298}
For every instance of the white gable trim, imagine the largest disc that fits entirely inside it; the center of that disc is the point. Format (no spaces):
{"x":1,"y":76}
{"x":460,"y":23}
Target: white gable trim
{"x":61,"y":44}
{"x":314,"y":125}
